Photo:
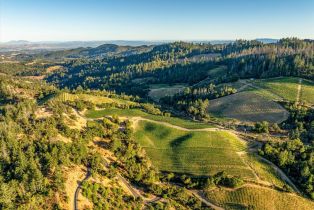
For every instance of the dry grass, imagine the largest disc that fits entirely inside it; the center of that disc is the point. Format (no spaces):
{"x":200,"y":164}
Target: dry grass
{"x":73,"y":176}
{"x":63,"y":139}
{"x":42,"y":112}
{"x":91,"y":98}
{"x":77,"y":123}
{"x":53,"y":68}
{"x":84,"y":203}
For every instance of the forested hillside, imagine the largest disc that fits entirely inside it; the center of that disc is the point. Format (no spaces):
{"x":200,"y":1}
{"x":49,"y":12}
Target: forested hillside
{"x":174,"y":63}
{"x":171,"y":126}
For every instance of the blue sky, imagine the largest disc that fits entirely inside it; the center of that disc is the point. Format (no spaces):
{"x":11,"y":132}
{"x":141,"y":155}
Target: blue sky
{"x":63,"y":20}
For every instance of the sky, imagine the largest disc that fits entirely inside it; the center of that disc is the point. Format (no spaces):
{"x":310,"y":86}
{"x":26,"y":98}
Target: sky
{"x":74,"y":20}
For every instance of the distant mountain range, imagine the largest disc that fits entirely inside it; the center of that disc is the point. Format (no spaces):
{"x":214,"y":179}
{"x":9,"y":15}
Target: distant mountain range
{"x":23,"y":45}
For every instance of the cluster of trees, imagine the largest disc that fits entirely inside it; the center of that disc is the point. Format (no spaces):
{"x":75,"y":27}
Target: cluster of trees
{"x":132,"y":156}
{"x":111,"y":197}
{"x":32,"y":158}
{"x":22,"y":69}
{"x":300,"y":122}
{"x":177,"y":195}
{"x":218,"y":179}
{"x":288,"y":57}
{"x":195,"y":100}
{"x":296,"y":159}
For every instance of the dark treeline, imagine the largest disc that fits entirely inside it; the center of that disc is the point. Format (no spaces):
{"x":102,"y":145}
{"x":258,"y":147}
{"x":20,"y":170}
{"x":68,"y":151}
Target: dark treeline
{"x":169,"y":63}
{"x":296,"y":159}
{"x":300,"y":122}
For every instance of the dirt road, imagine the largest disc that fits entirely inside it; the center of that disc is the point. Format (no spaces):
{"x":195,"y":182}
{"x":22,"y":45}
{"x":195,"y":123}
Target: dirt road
{"x":77,"y":191}
{"x":282,"y":175}
{"x":299,"y":90}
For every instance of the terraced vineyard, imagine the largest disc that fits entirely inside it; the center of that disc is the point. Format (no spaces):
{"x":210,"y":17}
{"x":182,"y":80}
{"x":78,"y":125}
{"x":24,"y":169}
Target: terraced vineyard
{"x":266,"y":174}
{"x":259,"y":198}
{"x":192,"y":152}
{"x":248,"y":106}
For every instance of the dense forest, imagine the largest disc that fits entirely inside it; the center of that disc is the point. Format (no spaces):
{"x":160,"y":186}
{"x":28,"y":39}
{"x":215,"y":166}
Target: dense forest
{"x":172,"y":63}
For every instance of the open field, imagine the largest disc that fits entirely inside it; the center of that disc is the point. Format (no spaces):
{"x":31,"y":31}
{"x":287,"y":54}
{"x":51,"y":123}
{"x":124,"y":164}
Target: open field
{"x":159,"y":91}
{"x":307,"y":91}
{"x":212,"y":74}
{"x":216,"y":72}
{"x":259,"y":198}
{"x":139,"y":113}
{"x":285,"y":87}
{"x":277,"y":89}
{"x":246,"y":106}
{"x":192,"y":152}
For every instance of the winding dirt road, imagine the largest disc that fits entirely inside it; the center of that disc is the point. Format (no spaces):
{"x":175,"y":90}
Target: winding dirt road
{"x":282,"y":175}
{"x":136,"y":119}
{"x":77,"y":191}
{"x":202,"y":198}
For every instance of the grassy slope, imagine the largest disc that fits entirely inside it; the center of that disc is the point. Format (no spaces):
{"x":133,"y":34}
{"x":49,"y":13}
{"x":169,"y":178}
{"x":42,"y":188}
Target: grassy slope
{"x":259,"y":198}
{"x":256,"y":101}
{"x":263,"y":170}
{"x":307,"y":92}
{"x":137,"y":112}
{"x":285,"y":87}
{"x":197,"y":153}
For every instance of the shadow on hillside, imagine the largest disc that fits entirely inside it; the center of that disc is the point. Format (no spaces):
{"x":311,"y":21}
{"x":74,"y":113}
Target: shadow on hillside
{"x":178,"y":141}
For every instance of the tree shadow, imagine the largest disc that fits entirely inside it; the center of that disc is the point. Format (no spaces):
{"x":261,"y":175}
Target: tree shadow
{"x":149,"y":127}
{"x":177,"y":151}
{"x":178,"y":141}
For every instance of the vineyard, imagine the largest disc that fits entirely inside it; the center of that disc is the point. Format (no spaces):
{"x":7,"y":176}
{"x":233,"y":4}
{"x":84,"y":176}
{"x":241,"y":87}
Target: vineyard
{"x":264,"y":171}
{"x":246,"y":106}
{"x":192,"y":152}
{"x":285,"y":87}
{"x":259,"y":198}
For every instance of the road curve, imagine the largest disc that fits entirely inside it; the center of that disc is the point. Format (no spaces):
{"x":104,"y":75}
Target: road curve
{"x":282,"y":174}
{"x":136,"y":119}
{"x":204,"y":200}
{"x":77,"y":191}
